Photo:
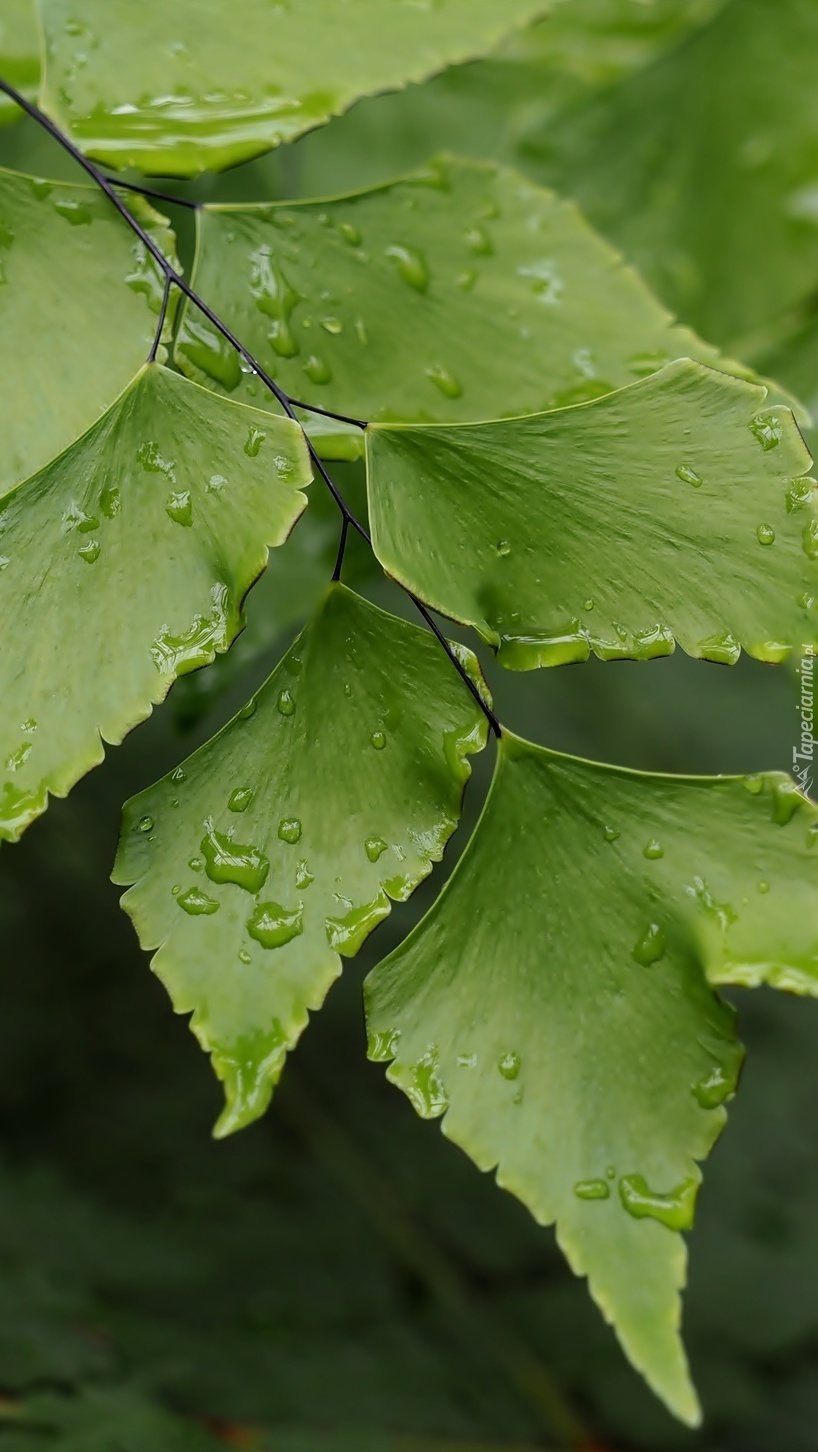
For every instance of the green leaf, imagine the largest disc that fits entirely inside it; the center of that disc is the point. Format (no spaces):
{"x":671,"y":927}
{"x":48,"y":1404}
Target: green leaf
{"x":670,"y":511}
{"x":181,"y":88}
{"x":123,"y":565}
{"x":280,"y":843}
{"x":460,"y":293}
{"x":702,"y":167}
{"x":79,"y":298}
{"x":19,"y":53}
{"x":554,"y":1004}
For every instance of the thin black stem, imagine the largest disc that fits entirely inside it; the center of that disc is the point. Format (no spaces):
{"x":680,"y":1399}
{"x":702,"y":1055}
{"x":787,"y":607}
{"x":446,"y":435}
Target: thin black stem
{"x":163,"y":312}
{"x":357,"y":423}
{"x":172,"y":277}
{"x":339,"y":563}
{"x":156,"y":196}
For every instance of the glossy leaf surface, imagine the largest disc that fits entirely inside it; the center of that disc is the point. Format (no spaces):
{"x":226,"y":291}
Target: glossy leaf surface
{"x":463,"y":292}
{"x":173,"y":89}
{"x":572,"y":1040}
{"x":702,"y":167}
{"x":673,"y":510}
{"x":19,"y":52}
{"x":79,"y":298}
{"x":279,"y":845}
{"x":123,"y":565}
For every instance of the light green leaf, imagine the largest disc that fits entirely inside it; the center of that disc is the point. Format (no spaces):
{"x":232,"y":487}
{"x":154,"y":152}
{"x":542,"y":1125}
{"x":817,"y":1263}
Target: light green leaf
{"x":460,"y":293}
{"x":79,"y":298}
{"x":279,"y":844}
{"x":702,"y":167}
{"x":19,"y":53}
{"x":184,"y":86}
{"x":672,"y":510}
{"x":554,"y":1005}
{"x":123,"y":564}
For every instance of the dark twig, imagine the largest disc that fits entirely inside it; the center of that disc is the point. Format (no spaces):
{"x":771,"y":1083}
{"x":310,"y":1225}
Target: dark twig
{"x":154,"y":195}
{"x":163,"y":312}
{"x":339,"y":563}
{"x":174,"y":278}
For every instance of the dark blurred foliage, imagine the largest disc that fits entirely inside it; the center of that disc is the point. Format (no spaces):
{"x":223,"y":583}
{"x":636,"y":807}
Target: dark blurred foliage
{"x":339,"y":1278}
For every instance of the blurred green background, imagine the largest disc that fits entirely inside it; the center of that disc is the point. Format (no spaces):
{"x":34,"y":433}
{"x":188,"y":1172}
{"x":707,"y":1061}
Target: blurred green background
{"x":339,"y":1278}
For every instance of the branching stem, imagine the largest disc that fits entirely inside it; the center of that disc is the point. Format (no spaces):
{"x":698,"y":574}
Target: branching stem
{"x":173,"y":278}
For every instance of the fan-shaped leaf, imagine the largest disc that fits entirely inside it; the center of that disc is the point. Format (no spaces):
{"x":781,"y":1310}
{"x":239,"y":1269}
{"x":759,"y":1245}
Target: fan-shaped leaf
{"x":123,"y":565}
{"x":279,"y":844}
{"x":79,"y":298}
{"x":672,"y":510}
{"x":702,"y":167}
{"x":173,"y":89}
{"x":572,"y":1039}
{"x":19,"y":53}
{"x":461,"y":293}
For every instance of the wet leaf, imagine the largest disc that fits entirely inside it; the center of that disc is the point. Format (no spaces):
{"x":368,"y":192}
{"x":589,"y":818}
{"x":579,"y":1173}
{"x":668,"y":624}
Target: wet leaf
{"x":674,"y":510}
{"x":572,"y":1040}
{"x":79,"y":299}
{"x":279,"y":844}
{"x":461,"y":293}
{"x":174,"y":90}
{"x":123,"y":565}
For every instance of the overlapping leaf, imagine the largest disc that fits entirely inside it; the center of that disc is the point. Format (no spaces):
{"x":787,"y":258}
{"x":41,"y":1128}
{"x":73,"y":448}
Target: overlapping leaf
{"x":19,"y":52}
{"x":278,"y":846}
{"x":571,"y":1039}
{"x":79,"y":298}
{"x":702,"y":168}
{"x":173,"y":89}
{"x":673,"y":510}
{"x":123,"y":565}
{"x":461,"y":293}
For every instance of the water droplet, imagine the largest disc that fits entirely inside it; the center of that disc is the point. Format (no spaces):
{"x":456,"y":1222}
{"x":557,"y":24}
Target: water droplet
{"x":688,"y":475}
{"x":509,"y":1065}
{"x":378,"y":740}
{"x":800,"y":493}
{"x":145,"y":824}
{"x":176,"y":889}
{"x":216,"y":483}
{"x":29,"y":726}
{"x":303,"y":876}
{"x":4,"y":563}
{"x":754,"y":785}
{"x":467,"y":1061}
{"x":503,"y":548}
{"x":653,"y":850}
{"x":317,"y":370}
{"x":592,"y":1189}
{"x":764,"y":887}
{"x":255,"y":439}
{"x":786,"y":799}
{"x":110,"y":502}
{"x":196,"y":864}
{"x":19,"y":757}
{"x":426,"y":1091}
{"x":809,"y":539}
{"x":334,"y":326}
{"x":675,"y":1209}
{"x":248,"y":711}
{"x":197,"y":903}
{"x":240,"y":799}
{"x":444,"y":381}
{"x":479,"y":242}
{"x":767,"y":430}
{"x":715,"y":1089}
{"x":650,"y":947}
{"x":153,"y":460}
{"x":89,"y":552}
{"x":588,"y":605}
{"x":76,"y":518}
{"x":467,"y":279}
{"x":179,"y":508}
{"x":361,"y":333}
{"x":178,"y":774}
{"x":245,"y":957}
{"x":611,"y":1172}
{"x":273,"y":925}
{"x":765,"y":534}
{"x":77,"y":213}
{"x":411,"y":266}
{"x":350,"y":233}
{"x":286,"y":703}
{"x":610,"y":834}
{"x":375,"y":848}
{"x":289,"y":830}
{"x":197,"y":645}
{"x":228,"y":861}
{"x":723,"y":649}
